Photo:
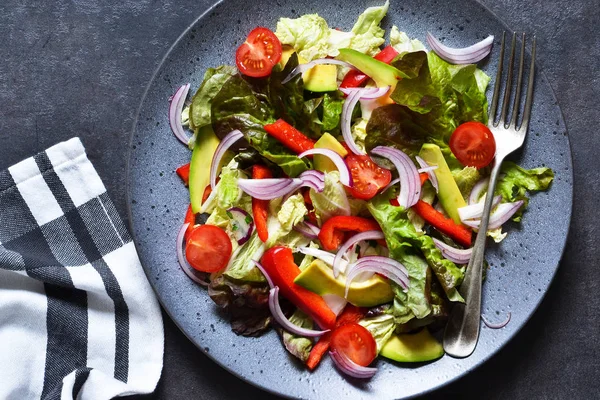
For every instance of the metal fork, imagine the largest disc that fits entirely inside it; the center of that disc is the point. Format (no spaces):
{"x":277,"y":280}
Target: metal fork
{"x":462,"y":331}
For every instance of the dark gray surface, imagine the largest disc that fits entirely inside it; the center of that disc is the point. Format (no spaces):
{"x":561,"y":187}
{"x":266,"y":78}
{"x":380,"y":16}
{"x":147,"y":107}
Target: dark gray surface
{"x":80,"y":69}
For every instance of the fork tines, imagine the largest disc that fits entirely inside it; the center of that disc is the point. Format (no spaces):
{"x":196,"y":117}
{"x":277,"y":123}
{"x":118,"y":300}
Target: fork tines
{"x":508,"y":86}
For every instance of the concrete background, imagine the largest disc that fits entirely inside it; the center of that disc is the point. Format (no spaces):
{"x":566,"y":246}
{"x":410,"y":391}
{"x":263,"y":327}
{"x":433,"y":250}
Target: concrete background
{"x":79,"y":68}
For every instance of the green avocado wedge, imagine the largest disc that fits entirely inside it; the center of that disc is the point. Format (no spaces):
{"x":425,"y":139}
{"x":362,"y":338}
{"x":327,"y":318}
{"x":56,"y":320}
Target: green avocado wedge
{"x":327,"y":141}
{"x":382,"y":73}
{"x":412,"y":347}
{"x":204,"y":149}
{"x":449,"y":193}
{"x":318,"y":278}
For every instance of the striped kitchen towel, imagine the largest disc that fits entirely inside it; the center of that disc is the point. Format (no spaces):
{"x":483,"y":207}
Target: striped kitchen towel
{"x":78,"y":319}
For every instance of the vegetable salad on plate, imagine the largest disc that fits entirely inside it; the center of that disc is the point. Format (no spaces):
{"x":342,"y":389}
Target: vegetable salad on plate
{"x":335,"y":183}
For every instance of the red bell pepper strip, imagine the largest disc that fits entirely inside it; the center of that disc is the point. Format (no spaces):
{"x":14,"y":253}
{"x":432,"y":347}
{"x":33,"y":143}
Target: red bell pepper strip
{"x":260,"y":208}
{"x":332,"y":231}
{"x":350,"y":315}
{"x":289,"y":136}
{"x":184,"y":173}
{"x":460,"y":233}
{"x":356,"y":78}
{"x":279,"y":264}
{"x":206,"y":194}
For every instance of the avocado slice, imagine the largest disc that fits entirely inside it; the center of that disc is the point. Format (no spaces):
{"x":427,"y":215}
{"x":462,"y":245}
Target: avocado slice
{"x":327,"y":141}
{"x":321,"y":78}
{"x":318,"y":278}
{"x":286,"y":53}
{"x":415,"y":347}
{"x":382,"y":73}
{"x":204,"y":149}
{"x":449,"y":193}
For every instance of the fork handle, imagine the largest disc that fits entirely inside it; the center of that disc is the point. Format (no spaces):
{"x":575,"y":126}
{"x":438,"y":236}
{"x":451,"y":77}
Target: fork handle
{"x":462,"y":330}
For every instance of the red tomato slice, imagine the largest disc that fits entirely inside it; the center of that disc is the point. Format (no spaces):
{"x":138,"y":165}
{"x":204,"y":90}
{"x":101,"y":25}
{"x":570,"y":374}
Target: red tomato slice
{"x":208,"y":248}
{"x":259,"y":53}
{"x":355,"y":342}
{"x":473,"y":144}
{"x":367,"y":176}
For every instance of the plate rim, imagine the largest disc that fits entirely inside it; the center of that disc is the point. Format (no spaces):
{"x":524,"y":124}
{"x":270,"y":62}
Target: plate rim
{"x":484,"y":359}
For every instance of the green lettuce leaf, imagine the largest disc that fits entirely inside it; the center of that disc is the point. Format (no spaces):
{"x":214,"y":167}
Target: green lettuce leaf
{"x":402,"y":43}
{"x":298,"y":346}
{"x":311,"y":37}
{"x":400,"y":232}
{"x":240,"y":267}
{"x":213,"y":81}
{"x":381,"y":327}
{"x":247,"y":105}
{"x":368,"y":35}
{"x":332,"y":200}
{"x":515,"y":182}
{"x":308,"y":35}
{"x":441,"y":95}
{"x":332,"y":112}
{"x":283,"y":217}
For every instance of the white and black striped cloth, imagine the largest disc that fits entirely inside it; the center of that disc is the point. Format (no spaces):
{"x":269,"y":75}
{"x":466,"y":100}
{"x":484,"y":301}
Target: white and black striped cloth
{"x":78,"y":319}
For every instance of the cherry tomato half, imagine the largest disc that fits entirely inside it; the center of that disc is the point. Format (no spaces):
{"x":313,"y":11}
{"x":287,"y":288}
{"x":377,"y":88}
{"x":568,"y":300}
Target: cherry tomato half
{"x":259,"y":53}
{"x":208,"y":248}
{"x":367,"y":176}
{"x":473,"y":144}
{"x":355,"y":342}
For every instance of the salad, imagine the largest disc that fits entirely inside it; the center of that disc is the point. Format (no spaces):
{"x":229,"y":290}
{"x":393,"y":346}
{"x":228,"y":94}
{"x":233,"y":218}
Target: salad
{"x":335,"y":183}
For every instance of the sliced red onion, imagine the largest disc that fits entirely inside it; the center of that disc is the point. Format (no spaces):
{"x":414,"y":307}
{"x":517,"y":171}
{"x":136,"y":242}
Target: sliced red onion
{"x":476,"y":210}
{"x":367,"y":93}
{"x":410,"y":183}
{"x":345,"y":177}
{"x":313,"y":227}
{"x":346,"y":122}
{"x":335,"y":302}
{"x":467,"y":55}
{"x":270,"y":188}
{"x":385,"y":266}
{"x":350,"y":368}
{"x":306,"y":230}
{"x":496,"y":326}
{"x":430,"y":172}
{"x":314,"y":179}
{"x":479,"y":187}
{"x":368,"y":235}
{"x":225,"y":144}
{"x":177,"y":102}
{"x":284,"y":322}
{"x":322,"y":255}
{"x":502,"y":214}
{"x":458,"y":256}
{"x":185,"y":266}
{"x":302,"y":68}
{"x":242,"y":224}
{"x":264,"y":272}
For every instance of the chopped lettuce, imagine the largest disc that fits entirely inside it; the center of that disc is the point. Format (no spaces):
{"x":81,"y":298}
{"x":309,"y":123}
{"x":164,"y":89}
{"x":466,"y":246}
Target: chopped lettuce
{"x":465,"y":179}
{"x":402,"y":43}
{"x":214,"y":78}
{"x":332,"y":200}
{"x":298,"y":346}
{"x":400,"y":232}
{"x":283,"y":217}
{"x":441,"y":96}
{"x":245,"y":302}
{"x":381,"y":327}
{"x":515,"y":181}
{"x":249,"y":104}
{"x":311,"y":37}
{"x":308,"y":35}
{"x":368,"y":35}
{"x":332,"y":112}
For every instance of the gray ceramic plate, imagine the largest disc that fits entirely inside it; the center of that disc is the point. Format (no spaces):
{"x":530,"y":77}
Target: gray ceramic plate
{"x":521,"y":268}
